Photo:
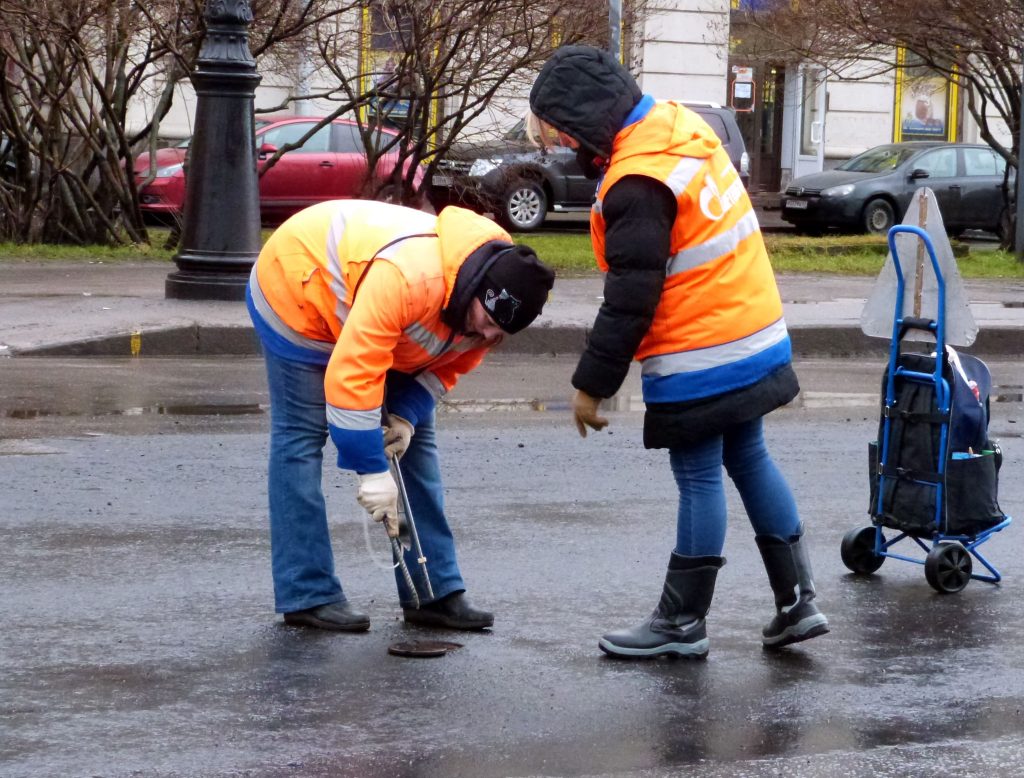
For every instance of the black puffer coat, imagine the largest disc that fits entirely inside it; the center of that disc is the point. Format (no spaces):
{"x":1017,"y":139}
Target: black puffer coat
{"x":585,"y":93}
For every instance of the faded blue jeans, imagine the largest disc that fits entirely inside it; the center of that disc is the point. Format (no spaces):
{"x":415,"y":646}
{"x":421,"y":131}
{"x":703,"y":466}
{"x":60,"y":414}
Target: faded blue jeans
{"x":302,"y":561}
{"x":767,"y":498}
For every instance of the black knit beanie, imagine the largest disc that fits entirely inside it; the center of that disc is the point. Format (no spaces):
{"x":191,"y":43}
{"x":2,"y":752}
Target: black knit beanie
{"x":515,"y":287}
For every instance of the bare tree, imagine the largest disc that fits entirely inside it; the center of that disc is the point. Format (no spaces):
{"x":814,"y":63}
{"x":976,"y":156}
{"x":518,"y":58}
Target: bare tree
{"x":451,"y":59}
{"x":975,"y":43}
{"x":69,"y":72}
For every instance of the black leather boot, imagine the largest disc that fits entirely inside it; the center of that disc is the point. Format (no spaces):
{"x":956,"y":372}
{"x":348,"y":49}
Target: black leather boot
{"x":453,"y":611}
{"x":676,"y":628}
{"x":337,"y":616}
{"x":789,"y":573}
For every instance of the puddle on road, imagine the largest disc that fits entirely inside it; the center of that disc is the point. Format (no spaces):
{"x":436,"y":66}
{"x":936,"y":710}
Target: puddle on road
{"x":157,"y":409}
{"x":22,"y":448}
{"x":623,"y":402}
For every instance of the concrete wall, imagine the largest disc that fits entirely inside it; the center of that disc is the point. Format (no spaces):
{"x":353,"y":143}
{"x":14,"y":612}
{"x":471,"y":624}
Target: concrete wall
{"x":685,"y":51}
{"x":859,"y":112}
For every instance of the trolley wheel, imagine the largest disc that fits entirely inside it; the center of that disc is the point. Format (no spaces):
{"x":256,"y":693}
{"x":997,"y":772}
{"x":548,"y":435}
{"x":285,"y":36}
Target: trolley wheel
{"x":948,"y":568}
{"x":858,"y":551}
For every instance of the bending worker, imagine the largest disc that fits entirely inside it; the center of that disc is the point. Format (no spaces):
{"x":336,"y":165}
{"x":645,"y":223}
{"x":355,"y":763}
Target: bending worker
{"x":690,"y":293}
{"x":351,"y":298}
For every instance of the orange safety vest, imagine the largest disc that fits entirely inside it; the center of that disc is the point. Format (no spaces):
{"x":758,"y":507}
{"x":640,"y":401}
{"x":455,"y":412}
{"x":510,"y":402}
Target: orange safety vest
{"x":360,"y":286}
{"x":718,"y":325}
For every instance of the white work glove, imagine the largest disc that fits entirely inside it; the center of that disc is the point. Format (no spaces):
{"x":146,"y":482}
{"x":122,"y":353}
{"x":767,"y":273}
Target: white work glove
{"x":378,"y":494}
{"x":397,"y":435}
{"x":584,"y":411}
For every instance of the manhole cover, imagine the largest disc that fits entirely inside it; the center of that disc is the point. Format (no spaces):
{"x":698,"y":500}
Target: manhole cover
{"x":422,"y":648}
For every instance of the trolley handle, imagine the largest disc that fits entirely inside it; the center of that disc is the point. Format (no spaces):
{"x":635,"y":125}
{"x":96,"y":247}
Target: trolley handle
{"x":915,"y":323}
{"x":940,"y":317}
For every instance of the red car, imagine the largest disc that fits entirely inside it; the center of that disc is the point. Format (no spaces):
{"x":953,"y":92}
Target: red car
{"x":330,"y":165}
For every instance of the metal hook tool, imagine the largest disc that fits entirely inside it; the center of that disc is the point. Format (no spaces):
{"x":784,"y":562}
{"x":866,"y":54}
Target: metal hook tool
{"x":407,"y":538}
{"x":409,"y":525}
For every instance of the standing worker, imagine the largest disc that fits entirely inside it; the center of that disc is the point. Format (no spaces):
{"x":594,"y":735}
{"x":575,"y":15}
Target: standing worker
{"x":690,"y":293}
{"x":363,"y":306}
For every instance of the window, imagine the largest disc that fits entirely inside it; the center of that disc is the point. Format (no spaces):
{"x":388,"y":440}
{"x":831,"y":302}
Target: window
{"x":982,"y":162}
{"x":939,"y":164}
{"x":715,"y":123}
{"x":811,"y":119}
{"x":880,"y":159}
{"x":292,"y":133}
{"x":347,"y":139}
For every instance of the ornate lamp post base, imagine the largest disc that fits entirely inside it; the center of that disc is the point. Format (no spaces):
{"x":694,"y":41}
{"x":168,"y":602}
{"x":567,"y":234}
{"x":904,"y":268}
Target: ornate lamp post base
{"x":204,"y":282}
{"x":221,"y":237}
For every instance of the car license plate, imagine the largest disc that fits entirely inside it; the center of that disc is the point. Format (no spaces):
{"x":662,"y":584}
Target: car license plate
{"x":440,"y":179}
{"x":799,"y":205}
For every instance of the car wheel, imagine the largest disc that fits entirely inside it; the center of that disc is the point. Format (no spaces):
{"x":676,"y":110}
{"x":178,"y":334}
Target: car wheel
{"x":389,"y":193}
{"x":524,"y":206}
{"x":878,"y":216}
{"x":1006,"y":228}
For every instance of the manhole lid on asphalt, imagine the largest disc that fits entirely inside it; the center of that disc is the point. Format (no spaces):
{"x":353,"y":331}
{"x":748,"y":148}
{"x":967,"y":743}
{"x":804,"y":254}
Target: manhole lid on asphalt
{"x":422,"y":648}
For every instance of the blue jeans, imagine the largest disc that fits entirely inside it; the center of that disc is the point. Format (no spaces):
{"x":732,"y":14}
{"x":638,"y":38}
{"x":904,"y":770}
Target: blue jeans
{"x":302,"y":561}
{"x":769,"y":503}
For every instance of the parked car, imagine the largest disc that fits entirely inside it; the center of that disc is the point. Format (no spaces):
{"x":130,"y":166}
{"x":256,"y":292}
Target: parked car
{"x":330,"y":165}
{"x":522,"y":184}
{"x":872,"y":191}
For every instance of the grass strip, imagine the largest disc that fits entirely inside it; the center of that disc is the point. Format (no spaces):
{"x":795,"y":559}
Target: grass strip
{"x":570,"y":254}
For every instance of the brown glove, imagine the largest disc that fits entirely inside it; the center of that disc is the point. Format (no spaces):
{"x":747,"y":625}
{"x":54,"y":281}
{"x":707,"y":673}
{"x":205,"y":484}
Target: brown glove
{"x":397,"y":435}
{"x":584,"y":411}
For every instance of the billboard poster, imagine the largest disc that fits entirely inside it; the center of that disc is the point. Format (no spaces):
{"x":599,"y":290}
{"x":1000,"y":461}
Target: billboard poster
{"x":926,"y":102}
{"x":923,"y":108}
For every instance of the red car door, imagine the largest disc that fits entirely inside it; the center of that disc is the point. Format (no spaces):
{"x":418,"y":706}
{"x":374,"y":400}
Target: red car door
{"x":351,"y":159}
{"x":301,"y":177}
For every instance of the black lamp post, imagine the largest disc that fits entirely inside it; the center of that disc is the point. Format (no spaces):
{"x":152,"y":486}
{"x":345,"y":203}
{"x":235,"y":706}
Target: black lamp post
{"x":221,"y":236}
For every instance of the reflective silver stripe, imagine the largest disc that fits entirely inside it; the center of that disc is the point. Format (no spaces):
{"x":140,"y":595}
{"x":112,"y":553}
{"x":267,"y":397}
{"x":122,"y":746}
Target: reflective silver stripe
{"x":716,"y":247}
{"x":683,"y":173}
{"x":334,"y":233}
{"x":353,"y":420}
{"x":269,"y":315}
{"x":424,"y":338}
{"x":715,"y":356}
{"x":432,"y":384}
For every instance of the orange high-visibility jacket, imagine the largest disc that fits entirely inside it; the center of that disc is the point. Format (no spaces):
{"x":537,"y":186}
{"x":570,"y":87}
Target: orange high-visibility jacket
{"x":718,"y":325}
{"x":360,"y":286}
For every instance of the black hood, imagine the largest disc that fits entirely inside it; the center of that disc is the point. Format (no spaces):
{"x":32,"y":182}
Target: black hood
{"x":587,"y":94}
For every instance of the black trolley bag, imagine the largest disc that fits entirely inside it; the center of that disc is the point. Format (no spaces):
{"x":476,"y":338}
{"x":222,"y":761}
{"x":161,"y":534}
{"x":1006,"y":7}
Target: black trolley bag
{"x":933,"y":471}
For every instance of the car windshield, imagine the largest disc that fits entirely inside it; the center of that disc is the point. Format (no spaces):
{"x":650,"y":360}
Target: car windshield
{"x":879,"y":159}
{"x":518,"y":131}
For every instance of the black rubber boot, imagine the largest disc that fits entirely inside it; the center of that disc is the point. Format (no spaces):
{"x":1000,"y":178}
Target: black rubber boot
{"x":676,"y":628}
{"x":789,"y":573}
{"x":337,"y":616}
{"x":453,"y":611}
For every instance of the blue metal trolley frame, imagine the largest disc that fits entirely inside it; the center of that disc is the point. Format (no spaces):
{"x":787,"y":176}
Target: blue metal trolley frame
{"x":948,"y":566}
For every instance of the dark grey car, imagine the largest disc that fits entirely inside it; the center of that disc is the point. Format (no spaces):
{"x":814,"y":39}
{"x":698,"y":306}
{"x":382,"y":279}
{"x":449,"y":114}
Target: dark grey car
{"x":521,"y":184}
{"x":872,"y":191}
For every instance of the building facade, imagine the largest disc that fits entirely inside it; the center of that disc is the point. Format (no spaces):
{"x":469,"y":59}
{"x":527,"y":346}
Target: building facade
{"x":795,"y":117}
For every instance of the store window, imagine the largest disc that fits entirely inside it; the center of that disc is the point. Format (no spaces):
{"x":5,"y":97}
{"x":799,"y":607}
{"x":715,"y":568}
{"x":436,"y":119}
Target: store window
{"x":810,"y":126}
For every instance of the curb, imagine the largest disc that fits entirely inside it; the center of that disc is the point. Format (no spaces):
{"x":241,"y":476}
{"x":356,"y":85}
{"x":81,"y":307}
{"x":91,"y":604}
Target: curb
{"x":197,"y":340}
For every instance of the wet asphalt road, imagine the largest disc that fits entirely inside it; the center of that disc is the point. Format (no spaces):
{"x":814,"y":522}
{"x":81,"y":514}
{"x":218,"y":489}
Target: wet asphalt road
{"x":139,"y":636}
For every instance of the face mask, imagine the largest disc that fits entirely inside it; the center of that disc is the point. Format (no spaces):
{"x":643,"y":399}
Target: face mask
{"x":592,"y":167}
